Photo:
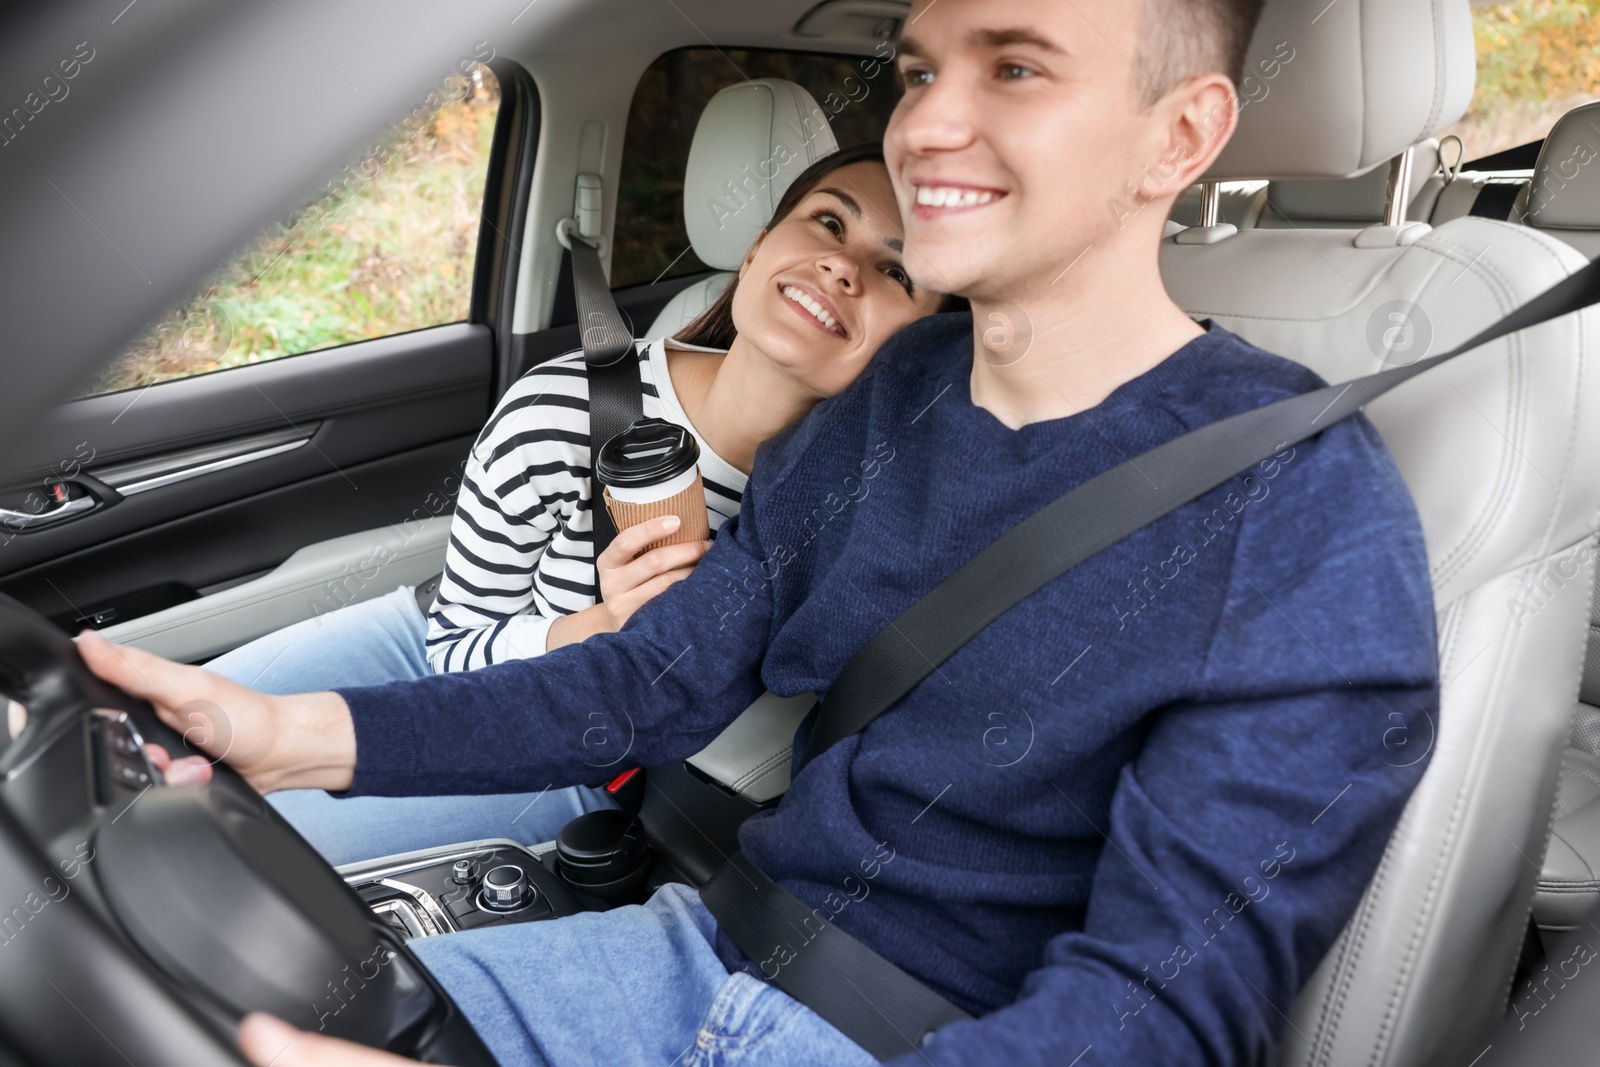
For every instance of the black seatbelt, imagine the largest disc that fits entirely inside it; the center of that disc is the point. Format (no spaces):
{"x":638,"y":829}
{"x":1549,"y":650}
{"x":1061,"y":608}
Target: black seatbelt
{"x":1093,"y":516}
{"x":616,"y":396}
{"x":836,"y":976}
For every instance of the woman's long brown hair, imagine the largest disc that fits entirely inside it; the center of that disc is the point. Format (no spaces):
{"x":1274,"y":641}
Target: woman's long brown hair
{"x":714,"y":326}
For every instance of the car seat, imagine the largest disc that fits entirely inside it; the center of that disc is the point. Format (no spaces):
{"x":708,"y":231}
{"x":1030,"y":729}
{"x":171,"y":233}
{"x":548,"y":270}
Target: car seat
{"x":1501,"y":451}
{"x":752,"y":140}
{"x":1569,"y":883}
{"x":1564,"y":197}
{"x":1564,"y":201}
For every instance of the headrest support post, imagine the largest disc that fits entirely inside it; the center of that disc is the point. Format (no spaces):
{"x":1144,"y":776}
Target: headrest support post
{"x":1210,"y":203}
{"x":1394,"y":208}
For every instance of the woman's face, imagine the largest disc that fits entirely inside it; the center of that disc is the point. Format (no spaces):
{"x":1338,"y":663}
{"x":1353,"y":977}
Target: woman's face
{"x":824,"y":288}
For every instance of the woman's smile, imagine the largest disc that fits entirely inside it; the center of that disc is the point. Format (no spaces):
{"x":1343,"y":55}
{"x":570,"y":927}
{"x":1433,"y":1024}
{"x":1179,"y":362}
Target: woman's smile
{"x":814,"y":306}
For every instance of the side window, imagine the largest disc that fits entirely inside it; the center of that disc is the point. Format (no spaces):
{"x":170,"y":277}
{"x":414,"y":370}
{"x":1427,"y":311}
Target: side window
{"x":388,"y":247}
{"x":857,"y":93}
{"x":1537,"y":60}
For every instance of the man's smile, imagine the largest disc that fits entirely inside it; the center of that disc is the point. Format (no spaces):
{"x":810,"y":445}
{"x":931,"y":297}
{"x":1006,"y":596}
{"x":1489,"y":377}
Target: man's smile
{"x":938,"y":199}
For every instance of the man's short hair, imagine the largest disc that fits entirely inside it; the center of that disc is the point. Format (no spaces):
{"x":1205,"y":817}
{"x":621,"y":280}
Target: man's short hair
{"x":1182,"y":39}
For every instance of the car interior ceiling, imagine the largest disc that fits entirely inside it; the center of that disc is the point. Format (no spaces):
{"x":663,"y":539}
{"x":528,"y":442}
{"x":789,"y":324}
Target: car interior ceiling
{"x":1284,"y":248}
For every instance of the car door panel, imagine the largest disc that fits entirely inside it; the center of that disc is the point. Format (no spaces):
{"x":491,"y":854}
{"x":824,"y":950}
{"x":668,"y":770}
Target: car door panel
{"x":315,"y":580}
{"x":153,"y":568}
{"x":384,"y":424}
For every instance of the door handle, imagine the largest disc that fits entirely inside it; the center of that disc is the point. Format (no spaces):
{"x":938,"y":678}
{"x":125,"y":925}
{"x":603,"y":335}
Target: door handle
{"x":64,"y":500}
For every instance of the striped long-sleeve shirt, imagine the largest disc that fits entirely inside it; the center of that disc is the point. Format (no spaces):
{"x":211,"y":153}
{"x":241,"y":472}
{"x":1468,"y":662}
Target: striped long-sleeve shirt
{"x":522,"y":544}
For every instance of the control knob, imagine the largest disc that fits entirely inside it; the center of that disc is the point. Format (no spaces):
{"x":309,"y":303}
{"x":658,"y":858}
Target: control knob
{"x":505,"y":888}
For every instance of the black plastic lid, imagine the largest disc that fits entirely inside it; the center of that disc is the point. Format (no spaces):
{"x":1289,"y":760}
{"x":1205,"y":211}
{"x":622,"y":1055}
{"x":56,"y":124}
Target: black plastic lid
{"x":649,"y":452}
{"x":601,"y":837}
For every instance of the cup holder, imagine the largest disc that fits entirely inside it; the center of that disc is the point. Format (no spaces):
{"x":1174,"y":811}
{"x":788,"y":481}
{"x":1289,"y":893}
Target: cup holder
{"x":603,"y":854}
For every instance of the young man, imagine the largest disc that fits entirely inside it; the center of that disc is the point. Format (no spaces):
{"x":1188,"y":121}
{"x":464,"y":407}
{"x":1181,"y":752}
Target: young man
{"x":1127,"y":820}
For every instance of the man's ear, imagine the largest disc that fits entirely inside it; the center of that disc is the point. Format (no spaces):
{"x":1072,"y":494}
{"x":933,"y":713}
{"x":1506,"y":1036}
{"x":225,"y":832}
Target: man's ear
{"x":750,"y":256}
{"x":1202,"y":115}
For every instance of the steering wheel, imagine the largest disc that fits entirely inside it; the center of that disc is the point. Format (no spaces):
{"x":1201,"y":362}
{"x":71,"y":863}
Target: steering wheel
{"x":161,"y":914}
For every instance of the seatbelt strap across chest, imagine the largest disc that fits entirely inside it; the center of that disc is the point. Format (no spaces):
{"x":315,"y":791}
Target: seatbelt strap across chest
{"x":616,"y":394}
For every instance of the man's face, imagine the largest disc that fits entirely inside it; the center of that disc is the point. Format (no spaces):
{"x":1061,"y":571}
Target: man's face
{"x":1020,"y":126}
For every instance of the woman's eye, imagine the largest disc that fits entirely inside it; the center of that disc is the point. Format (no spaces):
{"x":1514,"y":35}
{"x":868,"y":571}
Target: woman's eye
{"x":899,"y":275}
{"x":834,"y":226}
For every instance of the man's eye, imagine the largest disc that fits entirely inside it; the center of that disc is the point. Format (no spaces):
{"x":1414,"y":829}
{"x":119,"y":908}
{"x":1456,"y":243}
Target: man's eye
{"x":917,"y":77}
{"x":1014,"y":72}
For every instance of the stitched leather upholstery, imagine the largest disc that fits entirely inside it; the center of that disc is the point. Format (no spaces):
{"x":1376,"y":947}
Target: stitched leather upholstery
{"x":1500,"y":452}
{"x":1564,"y":197}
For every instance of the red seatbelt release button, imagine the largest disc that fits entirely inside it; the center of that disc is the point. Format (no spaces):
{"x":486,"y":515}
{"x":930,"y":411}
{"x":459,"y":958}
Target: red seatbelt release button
{"x":621,"y":780}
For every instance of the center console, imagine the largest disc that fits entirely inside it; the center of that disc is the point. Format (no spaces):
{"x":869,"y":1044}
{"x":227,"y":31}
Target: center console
{"x":599,"y":861}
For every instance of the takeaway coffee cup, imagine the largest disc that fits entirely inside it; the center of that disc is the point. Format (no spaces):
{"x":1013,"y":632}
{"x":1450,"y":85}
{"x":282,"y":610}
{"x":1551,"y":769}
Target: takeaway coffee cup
{"x":652,"y":469}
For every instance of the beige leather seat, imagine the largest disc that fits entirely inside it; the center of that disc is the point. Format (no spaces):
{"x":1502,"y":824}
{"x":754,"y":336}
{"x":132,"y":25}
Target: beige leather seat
{"x":1563,"y":201}
{"x":1501,"y":450}
{"x":1564,"y":198}
{"x":748,"y":131}
{"x":1569,"y":886}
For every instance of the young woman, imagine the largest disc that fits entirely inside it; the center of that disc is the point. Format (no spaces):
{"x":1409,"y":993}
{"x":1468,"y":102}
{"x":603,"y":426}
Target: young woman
{"x":822,"y":288}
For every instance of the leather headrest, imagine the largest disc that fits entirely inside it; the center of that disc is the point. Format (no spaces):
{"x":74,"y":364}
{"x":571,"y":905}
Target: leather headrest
{"x":1332,"y":90}
{"x":1565,"y":194}
{"x":1360,"y":199}
{"x":753,"y":139}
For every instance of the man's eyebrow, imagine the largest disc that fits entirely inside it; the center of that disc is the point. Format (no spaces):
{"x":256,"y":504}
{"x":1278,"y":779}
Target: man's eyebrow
{"x":1013,"y":36}
{"x":908,"y":46}
{"x":844,"y":198}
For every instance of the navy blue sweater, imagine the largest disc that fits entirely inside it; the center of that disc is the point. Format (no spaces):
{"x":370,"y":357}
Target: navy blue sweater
{"x":1133,"y":813}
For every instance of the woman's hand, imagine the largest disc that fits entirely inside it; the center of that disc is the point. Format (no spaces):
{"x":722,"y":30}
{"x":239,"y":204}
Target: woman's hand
{"x":629,"y":577}
{"x":275,"y":742}
{"x":268,"y":1041}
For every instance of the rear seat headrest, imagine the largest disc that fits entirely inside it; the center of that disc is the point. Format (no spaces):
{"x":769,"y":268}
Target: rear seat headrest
{"x":1355,"y":200}
{"x":752,"y":140}
{"x":1331,"y":90}
{"x":1565,"y":194}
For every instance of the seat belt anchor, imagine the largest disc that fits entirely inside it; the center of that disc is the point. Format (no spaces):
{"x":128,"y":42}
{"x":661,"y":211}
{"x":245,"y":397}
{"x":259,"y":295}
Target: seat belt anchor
{"x":567,"y":231}
{"x":588,"y":200}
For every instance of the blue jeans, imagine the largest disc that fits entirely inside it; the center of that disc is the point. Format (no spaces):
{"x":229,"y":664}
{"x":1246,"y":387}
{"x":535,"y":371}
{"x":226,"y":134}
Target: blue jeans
{"x":639,"y":985}
{"x":377,"y":641}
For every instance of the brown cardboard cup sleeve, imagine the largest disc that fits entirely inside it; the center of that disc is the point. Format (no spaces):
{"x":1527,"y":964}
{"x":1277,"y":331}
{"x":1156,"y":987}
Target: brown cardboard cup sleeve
{"x":688,"y":504}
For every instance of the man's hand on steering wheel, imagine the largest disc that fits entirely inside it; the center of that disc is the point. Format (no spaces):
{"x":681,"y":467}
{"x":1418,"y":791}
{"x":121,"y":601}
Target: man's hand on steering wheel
{"x":267,"y":1041}
{"x":275,"y":742}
